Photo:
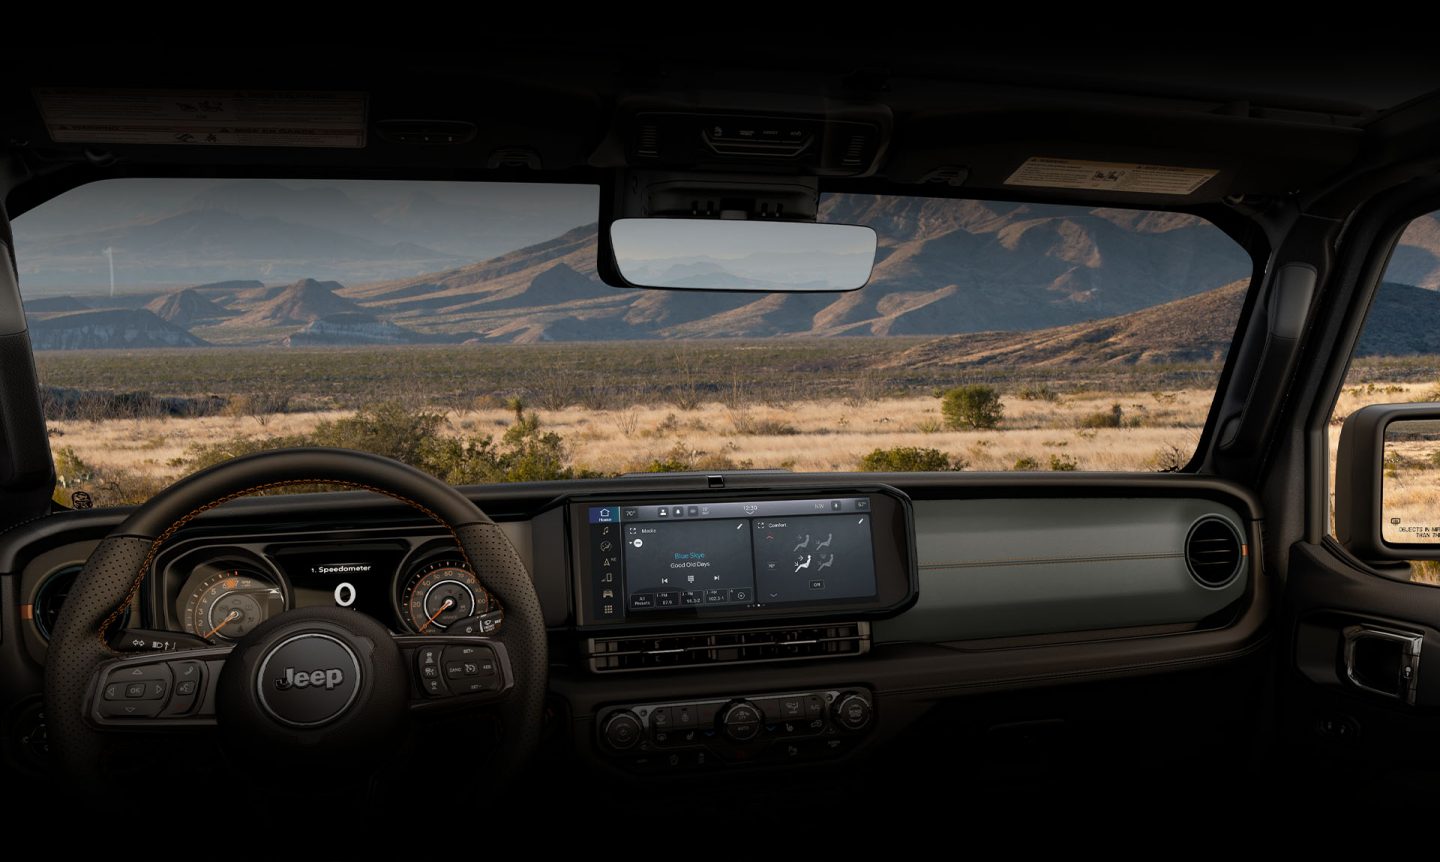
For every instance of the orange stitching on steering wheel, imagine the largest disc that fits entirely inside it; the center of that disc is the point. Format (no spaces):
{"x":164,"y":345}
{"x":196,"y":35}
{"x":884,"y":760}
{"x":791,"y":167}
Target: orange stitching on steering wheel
{"x":287,"y":483}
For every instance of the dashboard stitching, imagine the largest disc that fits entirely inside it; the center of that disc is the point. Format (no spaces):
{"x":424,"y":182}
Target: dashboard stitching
{"x":287,"y":483}
{"x":1034,"y":561}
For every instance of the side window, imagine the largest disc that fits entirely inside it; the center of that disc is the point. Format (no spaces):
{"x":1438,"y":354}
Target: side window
{"x":1398,"y":359}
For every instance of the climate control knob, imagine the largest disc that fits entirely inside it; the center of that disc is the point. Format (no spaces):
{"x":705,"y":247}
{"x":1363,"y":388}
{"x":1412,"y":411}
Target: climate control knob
{"x":741,"y":721}
{"x":852,"y":711}
{"x":622,"y":730}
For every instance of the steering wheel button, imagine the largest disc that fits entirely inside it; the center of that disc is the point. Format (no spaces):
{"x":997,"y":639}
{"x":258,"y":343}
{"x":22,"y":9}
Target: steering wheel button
{"x":130,"y":708}
{"x":135,"y":689}
{"x":185,"y":688}
{"x":434,"y":687}
{"x":114,"y":691}
{"x":430,"y":672}
{"x":454,"y":669}
{"x":155,"y":689}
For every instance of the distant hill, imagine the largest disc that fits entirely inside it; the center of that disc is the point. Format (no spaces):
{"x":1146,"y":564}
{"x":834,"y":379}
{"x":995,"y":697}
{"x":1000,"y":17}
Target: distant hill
{"x":301,"y":302}
{"x":107,"y":328}
{"x":49,"y":304}
{"x":1403,"y":321}
{"x":1193,"y":329}
{"x":353,"y":328}
{"x":186,"y":307}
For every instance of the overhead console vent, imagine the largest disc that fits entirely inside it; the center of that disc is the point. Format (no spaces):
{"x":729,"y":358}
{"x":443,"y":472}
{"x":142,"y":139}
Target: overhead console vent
{"x":1214,"y":551}
{"x":735,"y":646}
{"x":824,"y":146}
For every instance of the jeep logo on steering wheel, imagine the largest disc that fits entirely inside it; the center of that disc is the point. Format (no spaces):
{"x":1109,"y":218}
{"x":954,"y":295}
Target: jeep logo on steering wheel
{"x":328,"y":677}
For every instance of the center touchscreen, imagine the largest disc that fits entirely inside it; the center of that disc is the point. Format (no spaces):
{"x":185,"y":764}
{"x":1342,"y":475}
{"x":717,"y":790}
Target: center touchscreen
{"x":729,"y":556}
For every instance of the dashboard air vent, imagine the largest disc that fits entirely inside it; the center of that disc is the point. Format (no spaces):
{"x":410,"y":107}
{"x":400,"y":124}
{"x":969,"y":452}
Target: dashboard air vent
{"x":1214,"y":551}
{"x":693,"y":649}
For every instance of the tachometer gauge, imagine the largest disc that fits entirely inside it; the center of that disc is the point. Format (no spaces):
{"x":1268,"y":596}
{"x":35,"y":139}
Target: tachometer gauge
{"x":224,"y":602}
{"x":440,"y":594}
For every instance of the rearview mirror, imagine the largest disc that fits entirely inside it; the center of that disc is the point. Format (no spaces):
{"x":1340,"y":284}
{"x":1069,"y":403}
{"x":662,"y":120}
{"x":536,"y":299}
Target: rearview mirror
{"x":1387,"y":482}
{"x":722,"y":254}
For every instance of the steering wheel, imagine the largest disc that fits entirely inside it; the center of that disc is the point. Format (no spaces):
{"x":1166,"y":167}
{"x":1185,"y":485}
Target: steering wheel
{"x":308,"y":687}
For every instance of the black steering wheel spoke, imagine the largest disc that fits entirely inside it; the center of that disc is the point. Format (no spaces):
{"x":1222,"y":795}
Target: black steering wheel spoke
{"x":450,"y":672}
{"x":158,"y":690}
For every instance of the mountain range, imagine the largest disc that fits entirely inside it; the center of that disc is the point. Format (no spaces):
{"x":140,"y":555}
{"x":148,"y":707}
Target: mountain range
{"x":994,"y":282}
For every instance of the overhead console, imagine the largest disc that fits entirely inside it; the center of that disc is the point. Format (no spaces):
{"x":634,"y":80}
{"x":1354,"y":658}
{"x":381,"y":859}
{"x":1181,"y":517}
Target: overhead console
{"x":672,"y":561}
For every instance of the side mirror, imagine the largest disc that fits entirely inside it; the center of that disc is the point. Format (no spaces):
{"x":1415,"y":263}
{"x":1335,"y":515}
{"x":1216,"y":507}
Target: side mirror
{"x":1387,"y":482}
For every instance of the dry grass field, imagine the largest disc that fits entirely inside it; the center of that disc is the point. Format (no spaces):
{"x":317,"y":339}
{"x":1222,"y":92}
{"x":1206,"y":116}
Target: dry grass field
{"x":1159,"y":430}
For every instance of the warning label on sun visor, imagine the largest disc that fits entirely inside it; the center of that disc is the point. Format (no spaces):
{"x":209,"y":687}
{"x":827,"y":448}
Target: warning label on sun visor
{"x":1109,"y":176}
{"x":234,"y":118}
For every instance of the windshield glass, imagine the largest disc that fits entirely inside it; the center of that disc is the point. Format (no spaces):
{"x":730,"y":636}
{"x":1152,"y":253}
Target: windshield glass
{"x":461,"y":327}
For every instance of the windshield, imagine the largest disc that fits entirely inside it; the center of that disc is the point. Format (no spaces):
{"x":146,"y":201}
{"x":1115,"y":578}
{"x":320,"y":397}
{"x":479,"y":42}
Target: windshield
{"x":461,"y":327}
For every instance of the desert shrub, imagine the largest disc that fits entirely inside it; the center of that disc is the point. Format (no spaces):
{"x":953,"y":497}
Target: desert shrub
{"x":387,"y":429}
{"x":201,"y":455}
{"x":972,"y":406}
{"x":1169,"y":458}
{"x":763,"y":427}
{"x":1112,"y":418}
{"x":1063,"y":463}
{"x":1026,"y":463}
{"x":1038,"y":392}
{"x":907,"y":459}
{"x":260,"y":406}
{"x":929,"y":426}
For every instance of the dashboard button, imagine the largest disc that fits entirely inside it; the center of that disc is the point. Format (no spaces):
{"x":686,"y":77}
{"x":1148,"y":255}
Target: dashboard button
{"x":660,"y":718}
{"x":716,"y":596}
{"x":683,"y":716}
{"x":814,"y":706}
{"x":792,"y":707}
{"x":641,"y":601}
{"x":741,"y":722}
{"x":852,"y":711}
{"x":622,"y":730}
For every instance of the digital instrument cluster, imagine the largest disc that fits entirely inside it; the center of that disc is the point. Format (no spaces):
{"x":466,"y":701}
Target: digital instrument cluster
{"x":224,"y":593}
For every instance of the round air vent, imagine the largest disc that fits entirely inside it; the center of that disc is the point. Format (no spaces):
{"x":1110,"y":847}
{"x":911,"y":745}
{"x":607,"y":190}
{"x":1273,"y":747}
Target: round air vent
{"x":50,"y":597}
{"x":1214,"y":551}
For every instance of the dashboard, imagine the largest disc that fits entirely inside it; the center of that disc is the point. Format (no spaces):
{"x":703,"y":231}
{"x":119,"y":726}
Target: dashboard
{"x":724,"y":622}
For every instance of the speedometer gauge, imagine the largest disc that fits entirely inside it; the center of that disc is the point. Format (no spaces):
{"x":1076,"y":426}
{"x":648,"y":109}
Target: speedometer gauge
{"x":224,"y":603}
{"x":440,"y":594}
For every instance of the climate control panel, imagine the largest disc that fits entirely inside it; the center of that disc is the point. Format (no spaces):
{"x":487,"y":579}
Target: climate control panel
{"x":717,"y":733}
